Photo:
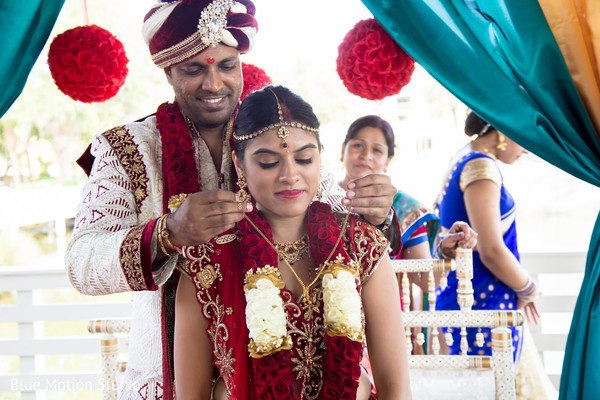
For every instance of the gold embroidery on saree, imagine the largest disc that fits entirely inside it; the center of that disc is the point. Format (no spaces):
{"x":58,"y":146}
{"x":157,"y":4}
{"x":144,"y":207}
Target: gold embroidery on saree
{"x":213,"y":311}
{"x":479,"y":169}
{"x":225,"y":239}
{"x":307,"y":329}
{"x":203,"y":275}
{"x":206,"y":276}
{"x":369,"y":246}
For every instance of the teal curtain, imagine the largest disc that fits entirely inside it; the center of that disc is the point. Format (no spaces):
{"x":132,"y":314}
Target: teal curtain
{"x":500,"y":58}
{"x":24,"y":29}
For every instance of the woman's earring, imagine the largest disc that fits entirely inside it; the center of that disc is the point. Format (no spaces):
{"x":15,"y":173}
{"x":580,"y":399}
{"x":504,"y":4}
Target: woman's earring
{"x":501,"y":142}
{"x":242,"y":194}
{"x":319,"y":194}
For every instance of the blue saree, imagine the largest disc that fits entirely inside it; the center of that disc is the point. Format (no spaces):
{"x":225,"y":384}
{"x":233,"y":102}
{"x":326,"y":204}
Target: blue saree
{"x":489,"y":292}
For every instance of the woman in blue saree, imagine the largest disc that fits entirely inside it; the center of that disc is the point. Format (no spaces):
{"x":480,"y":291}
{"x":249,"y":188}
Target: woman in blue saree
{"x":474,"y":191}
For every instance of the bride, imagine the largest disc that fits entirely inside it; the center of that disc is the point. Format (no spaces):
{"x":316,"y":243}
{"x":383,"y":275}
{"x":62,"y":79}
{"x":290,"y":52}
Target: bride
{"x":281,"y":306}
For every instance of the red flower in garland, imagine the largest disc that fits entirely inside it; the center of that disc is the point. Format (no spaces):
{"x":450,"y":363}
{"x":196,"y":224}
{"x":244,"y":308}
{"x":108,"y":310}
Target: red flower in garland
{"x":254,"y":79}
{"x":341,"y":362}
{"x":326,"y":230}
{"x":371,"y":64}
{"x":179,"y":166}
{"x":273,"y":376}
{"x":88,"y":63}
{"x":341,"y":369}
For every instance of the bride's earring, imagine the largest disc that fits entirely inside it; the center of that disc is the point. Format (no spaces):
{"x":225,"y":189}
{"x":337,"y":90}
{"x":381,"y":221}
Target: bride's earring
{"x":319,"y":194}
{"x":241,"y":193}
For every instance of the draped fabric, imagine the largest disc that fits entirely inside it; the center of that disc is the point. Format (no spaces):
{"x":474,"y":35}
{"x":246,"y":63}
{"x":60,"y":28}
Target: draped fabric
{"x":24,"y":28}
{"x":414,"y":216}
{"x":502,"y":60}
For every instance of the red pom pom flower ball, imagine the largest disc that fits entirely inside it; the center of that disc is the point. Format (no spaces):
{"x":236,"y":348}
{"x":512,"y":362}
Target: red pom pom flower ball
{"x":88,"y":63}
{"x":255,"y":78}
{"x":371,"y":64}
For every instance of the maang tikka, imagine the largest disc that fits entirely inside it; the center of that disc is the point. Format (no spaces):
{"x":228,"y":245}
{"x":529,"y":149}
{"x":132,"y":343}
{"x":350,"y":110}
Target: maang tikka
{"x":282,"y":126}
{"x":283,"y":132}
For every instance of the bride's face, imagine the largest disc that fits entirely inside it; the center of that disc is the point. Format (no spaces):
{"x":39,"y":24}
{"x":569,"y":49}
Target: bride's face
{"x":282,"y":180}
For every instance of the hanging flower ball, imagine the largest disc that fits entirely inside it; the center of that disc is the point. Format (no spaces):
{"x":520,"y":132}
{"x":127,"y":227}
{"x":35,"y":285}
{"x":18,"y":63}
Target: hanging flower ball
{"x":254,"y":79}
{"x":88,"y":63}
{"x":371,"y":64}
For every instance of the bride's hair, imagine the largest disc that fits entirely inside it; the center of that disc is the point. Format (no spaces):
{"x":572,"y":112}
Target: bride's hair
{"x":259,"y":110}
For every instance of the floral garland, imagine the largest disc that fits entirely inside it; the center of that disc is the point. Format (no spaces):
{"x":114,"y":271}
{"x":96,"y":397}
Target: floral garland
{"x":272,"y":372}
{"x":341,"y":367}
{"x":180,"y":172}
{"x":269,"y":345}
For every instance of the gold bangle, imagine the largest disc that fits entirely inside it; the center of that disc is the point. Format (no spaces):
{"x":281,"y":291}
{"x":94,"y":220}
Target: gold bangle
{"x":163,"y":234}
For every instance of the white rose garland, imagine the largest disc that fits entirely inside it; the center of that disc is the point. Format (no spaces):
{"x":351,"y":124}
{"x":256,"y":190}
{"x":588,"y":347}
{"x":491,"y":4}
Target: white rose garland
{"x":265,"y":317}
{"x":342,"y":303}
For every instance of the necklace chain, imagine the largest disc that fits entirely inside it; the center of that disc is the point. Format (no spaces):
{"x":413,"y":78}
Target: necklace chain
{"x":191,"y":125}
{"x":306,"y":288}
{"x":292,"y":251}
{"x":476,"y":147}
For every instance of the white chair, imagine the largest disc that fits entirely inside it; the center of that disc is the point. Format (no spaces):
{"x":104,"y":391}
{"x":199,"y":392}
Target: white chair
{"x":114,"y":338}
{"x":464,"y":372}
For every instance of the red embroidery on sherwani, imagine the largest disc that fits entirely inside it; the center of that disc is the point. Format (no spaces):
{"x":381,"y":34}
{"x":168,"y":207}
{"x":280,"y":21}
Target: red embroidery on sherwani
{"x":81,"y":222}
{"x":96,"y":216}
{"x":102,"y":164}
{"x":131,"y":159}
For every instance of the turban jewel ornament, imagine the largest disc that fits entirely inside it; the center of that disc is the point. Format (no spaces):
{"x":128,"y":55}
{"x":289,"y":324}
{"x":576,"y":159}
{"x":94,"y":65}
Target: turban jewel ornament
{"x":371,"y":64}
{"x":88,"y":63}
{"x":255,"y":78}
{"x":178,"y":30}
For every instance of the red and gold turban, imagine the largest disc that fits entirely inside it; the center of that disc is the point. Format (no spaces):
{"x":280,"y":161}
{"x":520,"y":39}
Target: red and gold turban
{"x":178,"y":30}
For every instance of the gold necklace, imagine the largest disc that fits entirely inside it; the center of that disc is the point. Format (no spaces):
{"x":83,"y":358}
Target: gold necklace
{"x":191,"y":125}
{"x":292,"y":251}
{"x":305,"y":288}
{"x":476,"y":147}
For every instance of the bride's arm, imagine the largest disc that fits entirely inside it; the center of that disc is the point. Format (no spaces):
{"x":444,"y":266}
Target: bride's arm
{"x":192,"y":349}
{"x":385,"y":333}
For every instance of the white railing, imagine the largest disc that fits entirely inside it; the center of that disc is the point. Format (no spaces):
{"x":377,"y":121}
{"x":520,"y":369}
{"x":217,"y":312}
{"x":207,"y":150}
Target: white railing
{"x":30,"y":312}
{"x":559,"y":275}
